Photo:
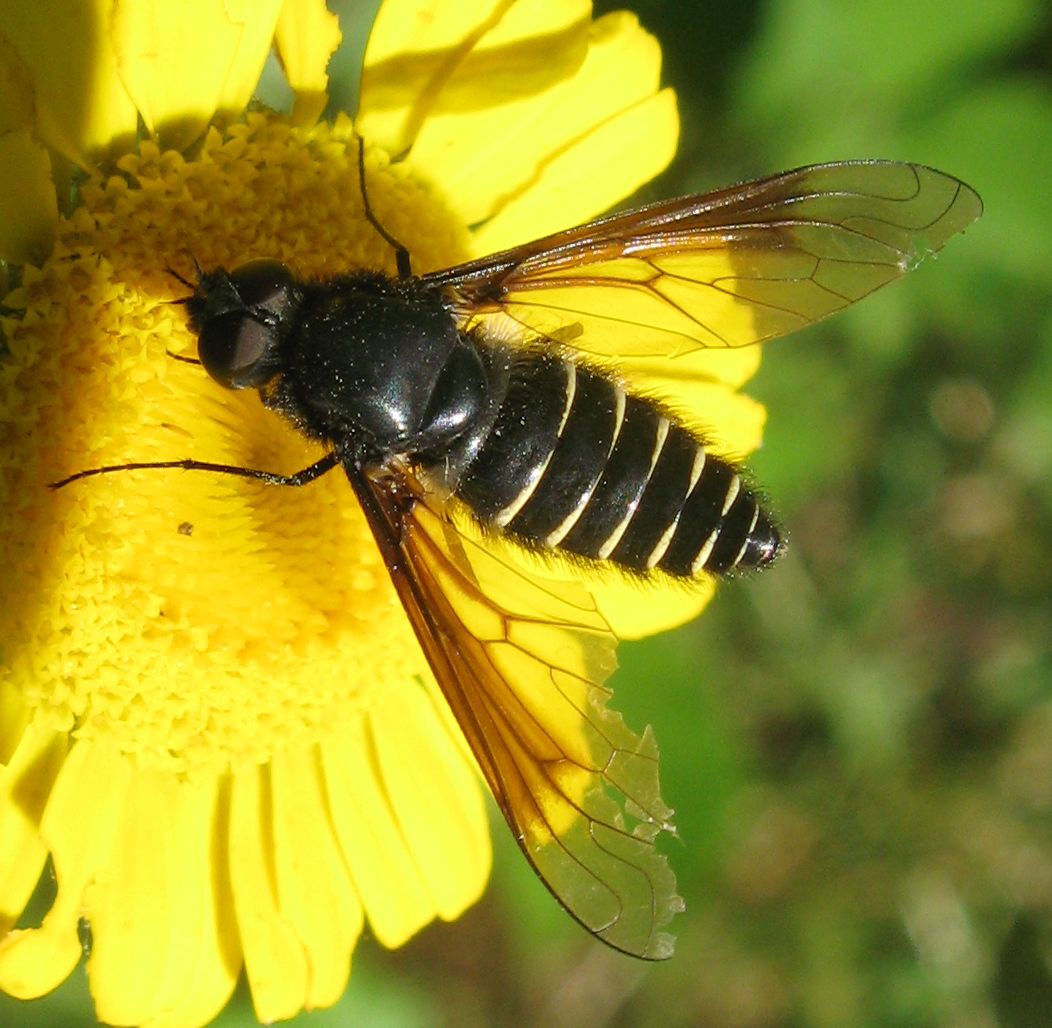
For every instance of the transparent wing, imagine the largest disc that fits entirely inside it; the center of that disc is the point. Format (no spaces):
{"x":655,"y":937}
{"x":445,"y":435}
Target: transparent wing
{"x":730,"y":268}
{"x":521,"y":662}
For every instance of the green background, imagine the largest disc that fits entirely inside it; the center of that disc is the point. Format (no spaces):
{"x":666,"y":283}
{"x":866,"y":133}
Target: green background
{"x":858,"y":743}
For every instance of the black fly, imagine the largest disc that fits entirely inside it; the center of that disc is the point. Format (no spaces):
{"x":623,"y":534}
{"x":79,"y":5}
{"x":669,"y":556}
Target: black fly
{"x":461,"y":416}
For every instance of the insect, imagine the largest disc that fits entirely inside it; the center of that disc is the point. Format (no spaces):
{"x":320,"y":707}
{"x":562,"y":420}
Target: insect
{"x":482,"y":414}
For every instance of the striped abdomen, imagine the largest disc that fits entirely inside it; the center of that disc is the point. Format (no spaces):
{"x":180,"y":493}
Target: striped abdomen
{"x":572,"y":462}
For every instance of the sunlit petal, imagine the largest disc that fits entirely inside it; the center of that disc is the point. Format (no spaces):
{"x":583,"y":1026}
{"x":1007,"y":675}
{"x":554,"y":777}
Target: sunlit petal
{"x":159,"y":952}
{"x":632,"y":147}
{"x":306,"y":35}
{"x":485,"y":157}
{"x":427,"y":57}
{"x":220,"y":48}
{"x":82,"y":107}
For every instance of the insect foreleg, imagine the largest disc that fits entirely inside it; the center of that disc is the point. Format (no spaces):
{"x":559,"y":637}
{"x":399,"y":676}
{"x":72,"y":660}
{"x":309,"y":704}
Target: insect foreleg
{"x":299,"y":478}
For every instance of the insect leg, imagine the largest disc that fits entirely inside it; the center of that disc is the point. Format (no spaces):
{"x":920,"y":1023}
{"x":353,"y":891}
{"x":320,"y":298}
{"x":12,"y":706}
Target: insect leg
{"x":401,"y":253}
{"x":299,"y":478}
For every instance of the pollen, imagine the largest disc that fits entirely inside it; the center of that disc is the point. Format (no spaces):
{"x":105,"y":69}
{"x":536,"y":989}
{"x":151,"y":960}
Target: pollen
{"x":191,"y":620}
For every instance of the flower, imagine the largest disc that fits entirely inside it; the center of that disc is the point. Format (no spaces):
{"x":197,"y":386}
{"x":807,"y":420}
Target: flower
{"x":218,"y":732}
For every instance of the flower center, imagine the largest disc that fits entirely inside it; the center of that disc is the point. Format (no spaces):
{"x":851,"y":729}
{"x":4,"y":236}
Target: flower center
{"x":194,"y":620}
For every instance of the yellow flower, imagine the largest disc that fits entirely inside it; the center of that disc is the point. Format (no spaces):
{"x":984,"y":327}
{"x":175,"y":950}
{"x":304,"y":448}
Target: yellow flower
{"x":217,"y":730}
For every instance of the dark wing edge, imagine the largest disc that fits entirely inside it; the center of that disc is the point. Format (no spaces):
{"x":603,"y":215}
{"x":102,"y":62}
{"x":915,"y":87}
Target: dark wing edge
{"x":521,"y":662}
{"x":798,"y":246}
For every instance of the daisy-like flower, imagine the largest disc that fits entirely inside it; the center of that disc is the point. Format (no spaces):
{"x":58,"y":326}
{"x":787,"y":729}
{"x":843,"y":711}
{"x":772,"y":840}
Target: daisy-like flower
{"x":218,"y":733}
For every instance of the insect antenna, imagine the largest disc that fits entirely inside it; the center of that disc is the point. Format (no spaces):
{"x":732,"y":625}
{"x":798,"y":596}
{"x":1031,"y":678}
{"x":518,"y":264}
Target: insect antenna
{"x":183,"y":300}
{"x":401,"y":253}
{"x":184,"y":281}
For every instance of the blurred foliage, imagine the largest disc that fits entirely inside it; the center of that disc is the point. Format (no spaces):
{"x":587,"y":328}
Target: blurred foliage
{"x":858,"y":743}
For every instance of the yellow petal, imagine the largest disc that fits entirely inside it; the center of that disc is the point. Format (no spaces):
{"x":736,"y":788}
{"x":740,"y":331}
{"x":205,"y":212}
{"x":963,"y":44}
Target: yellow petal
{"x":256,"y":22}
{"x":17,"y":107}
{"x":436,"y":798}
{"x":731,"y":421}
{"x":634,"y":609}
{"x":180,"y":61}
{"x":731,"y":366}
{"x":79,"y":826}
{"x":426,"y":57}
{"x":629,"y":149}
{"x":275,"y":961}
{"x":158,"y":953}
{"x":307,"y":35}
{"x":14,"y":716}
{"x":82,"y":106}
{"x":387,"y":877}
{"x":24,"y":786}
{"x":28,"y":207}
{"x":484,"y":157}
{"x":313,"y":888}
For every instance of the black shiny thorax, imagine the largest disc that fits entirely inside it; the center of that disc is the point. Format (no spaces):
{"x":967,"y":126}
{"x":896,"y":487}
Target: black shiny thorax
{"x":379,"y":362}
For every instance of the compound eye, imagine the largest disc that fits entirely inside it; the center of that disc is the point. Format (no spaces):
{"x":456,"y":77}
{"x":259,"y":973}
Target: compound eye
{"x":264,"y":286}
{"x":241,"y":330}
{"x":236,"y":349}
